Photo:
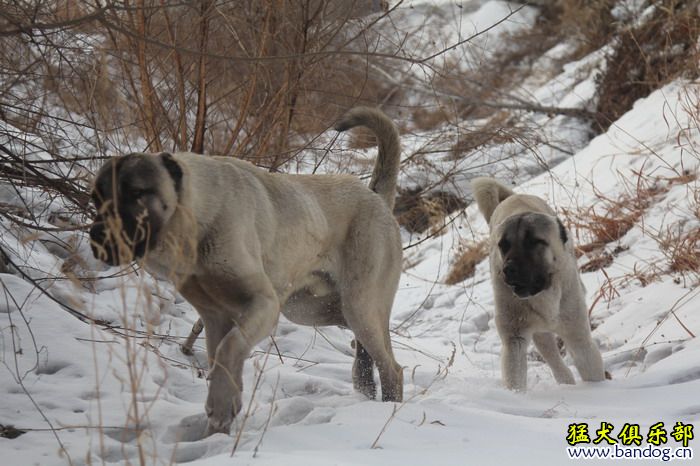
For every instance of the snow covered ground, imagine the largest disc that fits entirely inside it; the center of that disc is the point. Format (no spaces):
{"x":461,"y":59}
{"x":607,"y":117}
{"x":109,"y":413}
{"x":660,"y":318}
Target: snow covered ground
{"x":90,"y":395}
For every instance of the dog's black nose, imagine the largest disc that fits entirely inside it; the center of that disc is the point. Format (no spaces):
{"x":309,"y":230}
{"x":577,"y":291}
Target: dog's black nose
{"x":97,"y":234}
{"x":101,"y":249}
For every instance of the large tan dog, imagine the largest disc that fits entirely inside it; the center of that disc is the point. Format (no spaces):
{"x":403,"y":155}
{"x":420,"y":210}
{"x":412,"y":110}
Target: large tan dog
{"x":536,"y":286}
{"x":243,"y":244}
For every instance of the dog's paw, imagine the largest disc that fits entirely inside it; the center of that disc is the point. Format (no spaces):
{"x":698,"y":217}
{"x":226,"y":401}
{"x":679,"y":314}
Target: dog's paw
{"x":219,"y":420}
{"x":218,"y":426}
{"x":367,"y":387}
{"x":221,"y":409}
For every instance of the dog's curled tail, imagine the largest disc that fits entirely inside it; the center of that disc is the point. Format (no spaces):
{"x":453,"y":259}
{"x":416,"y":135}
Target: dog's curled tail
{"x":488,"y":193}
{"x":386,"y":168}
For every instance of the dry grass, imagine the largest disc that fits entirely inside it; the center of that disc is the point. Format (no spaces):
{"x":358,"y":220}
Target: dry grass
{"x":501,"y":128}
{"x":648,"y":56}
{"x":610,"y":219}
{"x":469,"y":255}
{"x":590,"y":22}
{"x":683,"y":251}
{"x":417,"y":211}
{"x":426,"y":119}
{"x":644,"y":58}
{"x":681,"y":245}
{"x":599,"y":261}
{"x":587,"y":24}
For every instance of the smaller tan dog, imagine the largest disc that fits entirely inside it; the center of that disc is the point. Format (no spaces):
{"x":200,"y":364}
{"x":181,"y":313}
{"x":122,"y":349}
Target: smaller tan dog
{"x":536,"y":286}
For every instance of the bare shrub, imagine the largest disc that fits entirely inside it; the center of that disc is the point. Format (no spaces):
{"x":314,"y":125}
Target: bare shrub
{"x":500,"y":128}
{"x":417,"y":211}
{"x":590,"y":22}
{"x":244,"y":78}
{"x":609,"y":219}
{"x":647,"y":56}
{"x":429,"y":118}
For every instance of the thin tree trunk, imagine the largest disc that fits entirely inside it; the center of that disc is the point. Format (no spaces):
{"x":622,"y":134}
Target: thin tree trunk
{"x":145,"y":78}
{"x":180,"y":134}
{"x":201,"y":120}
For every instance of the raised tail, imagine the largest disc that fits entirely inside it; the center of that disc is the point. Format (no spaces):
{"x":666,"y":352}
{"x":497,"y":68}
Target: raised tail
{"x":488,"y":193}
{"x":386,"y":168}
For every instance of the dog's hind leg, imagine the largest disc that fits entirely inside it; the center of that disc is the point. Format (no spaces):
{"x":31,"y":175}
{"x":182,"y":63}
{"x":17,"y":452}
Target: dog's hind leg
{"x":372,"y":333}
{"x":363,"y":372}
{"x":376,"y":343}
{"x":366,"y":310}
{"x":197,"y":328}
{"x":546,"y":344}
{"x":370,"y":276}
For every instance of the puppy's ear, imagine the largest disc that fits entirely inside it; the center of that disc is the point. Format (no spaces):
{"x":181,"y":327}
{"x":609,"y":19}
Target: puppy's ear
{"x":562,"y":232}
{"x":174,"y":169}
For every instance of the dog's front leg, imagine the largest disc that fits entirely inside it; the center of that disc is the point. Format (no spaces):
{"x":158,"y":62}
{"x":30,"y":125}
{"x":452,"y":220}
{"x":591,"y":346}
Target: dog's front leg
{"x":585,"y":353}
{"x":515,"y":335}
{"x":255,"y":321}
{"x":575,"y":330}
{"x":514,"y":362}
{"x":546,"y":344}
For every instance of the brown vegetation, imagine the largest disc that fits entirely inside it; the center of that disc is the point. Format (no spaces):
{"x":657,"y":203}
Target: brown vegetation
{"x":647,"y":56}
{"x":599,"y":261}
{"x":236,"y":78}
{"x":417,"y":211}
{"x":468,"y":257}
{"x":683,"y":251}
{"x":610,"y":219}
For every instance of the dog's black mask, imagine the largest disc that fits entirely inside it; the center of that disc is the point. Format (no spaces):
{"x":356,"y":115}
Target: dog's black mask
{"x":525,"y":246}
{"x":130,"y":205}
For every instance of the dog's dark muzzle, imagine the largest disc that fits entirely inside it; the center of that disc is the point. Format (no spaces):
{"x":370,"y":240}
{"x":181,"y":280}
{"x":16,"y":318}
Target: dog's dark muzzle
{"x":116,"y":247}
{"x":102,"y":248}
{"x":523,"y":281}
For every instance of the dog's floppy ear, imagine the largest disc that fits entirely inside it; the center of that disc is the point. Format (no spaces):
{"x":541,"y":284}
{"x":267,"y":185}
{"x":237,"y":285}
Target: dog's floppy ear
{"x":174,"y":170}
{"x":562,"y":232}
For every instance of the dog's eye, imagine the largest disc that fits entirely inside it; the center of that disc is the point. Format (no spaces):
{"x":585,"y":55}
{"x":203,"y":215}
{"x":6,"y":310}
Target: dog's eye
{"x":504,"y":245}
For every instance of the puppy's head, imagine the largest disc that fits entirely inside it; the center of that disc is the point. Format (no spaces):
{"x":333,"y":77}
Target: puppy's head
{"x":134,"y":195}
{"x":529,"y":246}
